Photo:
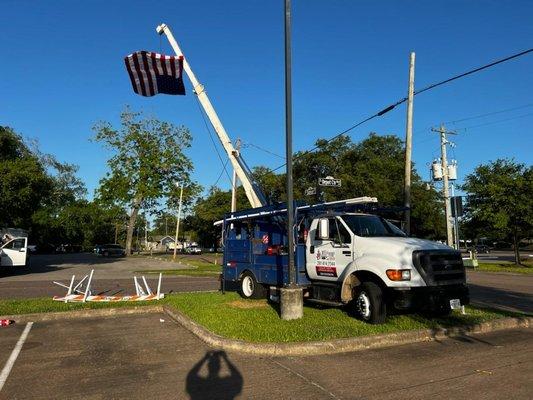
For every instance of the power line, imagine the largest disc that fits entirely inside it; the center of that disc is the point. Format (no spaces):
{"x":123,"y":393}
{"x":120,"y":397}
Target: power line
{"x":496,"y":122}
{"x":489,"y":114}
{"x":262,"y":149}
{"x":221,"y":173}
{"x":478,"y":126}
{"x":213,"y":141}
{"x":416,"y":92}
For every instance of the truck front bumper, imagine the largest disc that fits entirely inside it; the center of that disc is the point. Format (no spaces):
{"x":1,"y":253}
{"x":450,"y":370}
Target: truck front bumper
{"x":429,"y":298}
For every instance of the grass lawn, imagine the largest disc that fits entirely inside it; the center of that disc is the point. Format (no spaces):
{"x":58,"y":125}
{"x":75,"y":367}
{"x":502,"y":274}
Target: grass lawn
{"x":256,"y":321}
{"x":527,"y":268}
{"x":201,"y":265}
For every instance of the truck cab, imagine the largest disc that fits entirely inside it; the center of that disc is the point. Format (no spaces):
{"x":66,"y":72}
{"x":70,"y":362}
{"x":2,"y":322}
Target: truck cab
{"x":343,"y":257}
{"x":14,"y":253}
{"x":373,"y":264}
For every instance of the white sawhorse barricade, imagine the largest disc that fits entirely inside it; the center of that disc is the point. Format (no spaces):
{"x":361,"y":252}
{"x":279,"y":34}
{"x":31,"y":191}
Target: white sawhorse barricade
{"x":81,"y":292}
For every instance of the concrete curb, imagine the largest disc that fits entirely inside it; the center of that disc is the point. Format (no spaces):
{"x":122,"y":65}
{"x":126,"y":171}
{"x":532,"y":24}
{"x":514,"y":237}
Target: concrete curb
{"x":341,"y":345}
{"x":284,"y":349}
{"x":82,"y":314}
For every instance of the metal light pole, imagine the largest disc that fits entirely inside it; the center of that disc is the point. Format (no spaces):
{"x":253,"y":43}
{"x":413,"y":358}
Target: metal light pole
{"x":291,"y":299}
{"x":178,"y":222}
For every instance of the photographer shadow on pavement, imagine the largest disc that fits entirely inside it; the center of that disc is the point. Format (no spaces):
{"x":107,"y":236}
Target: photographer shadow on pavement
{"x":217,"y":384}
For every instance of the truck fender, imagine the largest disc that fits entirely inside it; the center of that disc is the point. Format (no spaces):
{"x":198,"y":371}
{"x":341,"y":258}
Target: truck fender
{"x":350,"y":281}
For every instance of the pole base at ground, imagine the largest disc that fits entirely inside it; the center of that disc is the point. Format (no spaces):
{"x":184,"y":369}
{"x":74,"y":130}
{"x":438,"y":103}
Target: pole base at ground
{"x":291,"y":303}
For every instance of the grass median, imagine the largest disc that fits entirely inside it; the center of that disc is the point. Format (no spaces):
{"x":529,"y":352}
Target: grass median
{"x":525,"y":268}
{"x":196,"y":265}
{"x":257,"y":321}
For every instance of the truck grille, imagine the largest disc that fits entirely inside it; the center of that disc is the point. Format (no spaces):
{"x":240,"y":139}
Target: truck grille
{"x":440,"y":267}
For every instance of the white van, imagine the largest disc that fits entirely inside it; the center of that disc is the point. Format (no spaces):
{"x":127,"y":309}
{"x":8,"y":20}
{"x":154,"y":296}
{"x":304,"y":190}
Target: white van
{"x":14,"y":253}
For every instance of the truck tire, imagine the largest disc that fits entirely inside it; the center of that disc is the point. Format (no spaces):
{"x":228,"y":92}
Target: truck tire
{"x":369,"y":304}
{"x":249,"y":288}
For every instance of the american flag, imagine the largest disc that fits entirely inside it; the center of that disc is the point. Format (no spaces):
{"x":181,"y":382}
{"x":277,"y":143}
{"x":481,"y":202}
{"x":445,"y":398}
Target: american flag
{"x":153,"y":73}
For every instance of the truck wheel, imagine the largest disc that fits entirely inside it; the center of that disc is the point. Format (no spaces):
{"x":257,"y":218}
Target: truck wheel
{"x":369,"y":304}
{"x":249,"y":288}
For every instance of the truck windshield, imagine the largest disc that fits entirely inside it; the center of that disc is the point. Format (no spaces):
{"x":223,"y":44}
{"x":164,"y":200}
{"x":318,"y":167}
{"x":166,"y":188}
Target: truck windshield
{"x":371,"y":226}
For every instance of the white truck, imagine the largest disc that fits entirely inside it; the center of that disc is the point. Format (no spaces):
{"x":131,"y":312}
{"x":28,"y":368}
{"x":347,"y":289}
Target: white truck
{"x":14,"y":253}
{"x":343,"y":257}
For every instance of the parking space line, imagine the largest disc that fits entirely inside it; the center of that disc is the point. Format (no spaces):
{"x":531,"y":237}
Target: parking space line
{"x":14,"y":355}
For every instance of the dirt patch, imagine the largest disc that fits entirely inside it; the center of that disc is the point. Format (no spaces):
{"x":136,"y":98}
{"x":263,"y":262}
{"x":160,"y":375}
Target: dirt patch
{"x":247,"y":304}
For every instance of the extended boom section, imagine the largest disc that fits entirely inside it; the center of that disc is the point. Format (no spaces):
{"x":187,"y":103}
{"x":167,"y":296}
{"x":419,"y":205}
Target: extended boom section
{"x":253,"y":192}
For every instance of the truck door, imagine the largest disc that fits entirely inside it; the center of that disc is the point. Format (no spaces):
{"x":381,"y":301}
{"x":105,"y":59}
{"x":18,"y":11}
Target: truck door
{"x":14,"y":253}
{"x":328,"y":253}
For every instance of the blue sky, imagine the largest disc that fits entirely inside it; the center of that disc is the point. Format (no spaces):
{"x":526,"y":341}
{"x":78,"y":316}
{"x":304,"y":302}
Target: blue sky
{"x":62,"y":71}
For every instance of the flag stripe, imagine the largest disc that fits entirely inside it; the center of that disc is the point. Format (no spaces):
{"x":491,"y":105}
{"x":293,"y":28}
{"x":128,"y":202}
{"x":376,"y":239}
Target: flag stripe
{"x":163,"y":60}
{"x":147,"y":74}
{"x":152,"y":73}
{"x":130,"y":73}
{"x":156,"y":61}
{"x":136,"y":76}
{"x":139,"y":73}
{"x":173,"y":67}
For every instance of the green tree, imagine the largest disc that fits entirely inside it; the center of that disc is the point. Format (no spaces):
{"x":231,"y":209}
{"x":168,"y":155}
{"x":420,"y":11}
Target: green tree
{"x":148,"y":158}
{"x":373,"y":167}
{"x":25,"y":185}
{"x":500,"y":200}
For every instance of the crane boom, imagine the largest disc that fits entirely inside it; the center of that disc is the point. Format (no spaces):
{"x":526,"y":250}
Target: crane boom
{"x":253,"y":192}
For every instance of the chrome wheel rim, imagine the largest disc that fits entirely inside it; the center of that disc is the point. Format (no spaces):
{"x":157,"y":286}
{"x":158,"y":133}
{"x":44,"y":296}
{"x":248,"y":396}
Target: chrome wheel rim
{"x":363,"y":305}
{"x":247,"y":286}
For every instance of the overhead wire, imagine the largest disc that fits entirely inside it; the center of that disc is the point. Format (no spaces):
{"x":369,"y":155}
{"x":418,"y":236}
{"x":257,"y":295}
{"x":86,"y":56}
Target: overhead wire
{"x":214,"y":144}
{"x":247,"y":144}
{"x":489,"y":114}
{"x":221,"y":173}
{"x":416,"y":92}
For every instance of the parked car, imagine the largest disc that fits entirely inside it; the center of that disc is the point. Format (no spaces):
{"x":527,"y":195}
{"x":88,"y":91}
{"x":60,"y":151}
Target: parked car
{"x":108,"y":250}
{"x":482,"y":248}
{"x":193,"y":250}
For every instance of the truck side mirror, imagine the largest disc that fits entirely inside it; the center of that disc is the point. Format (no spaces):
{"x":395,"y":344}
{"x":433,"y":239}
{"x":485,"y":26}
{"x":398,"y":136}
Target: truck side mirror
{"x":323,"y":228}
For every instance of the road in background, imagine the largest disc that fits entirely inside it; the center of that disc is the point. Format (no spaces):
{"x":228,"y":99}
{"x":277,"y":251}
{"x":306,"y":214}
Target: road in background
{"x":497,"y":256}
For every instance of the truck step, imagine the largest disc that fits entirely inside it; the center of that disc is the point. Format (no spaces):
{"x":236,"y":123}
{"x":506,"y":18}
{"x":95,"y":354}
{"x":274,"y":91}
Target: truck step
{"x":325,"y":302}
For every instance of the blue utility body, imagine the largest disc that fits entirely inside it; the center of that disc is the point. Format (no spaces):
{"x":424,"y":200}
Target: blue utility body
{"x":256,"y":240}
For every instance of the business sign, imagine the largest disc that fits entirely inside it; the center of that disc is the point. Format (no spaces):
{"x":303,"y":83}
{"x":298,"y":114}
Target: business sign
{"x":329,"y":181}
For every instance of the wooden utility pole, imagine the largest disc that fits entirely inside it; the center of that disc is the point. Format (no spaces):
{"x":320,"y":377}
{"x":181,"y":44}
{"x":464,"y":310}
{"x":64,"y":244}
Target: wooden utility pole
{"x":446,"y":192}
{"x":235,"y":180}
{"x":408,"y":143}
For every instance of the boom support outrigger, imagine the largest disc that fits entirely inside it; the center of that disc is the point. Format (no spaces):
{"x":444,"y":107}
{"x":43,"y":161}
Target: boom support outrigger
{"x":253,"y":192}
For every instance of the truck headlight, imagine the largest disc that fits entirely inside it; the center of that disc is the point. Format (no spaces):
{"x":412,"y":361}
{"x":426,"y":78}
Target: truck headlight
{"x":399,"y":274}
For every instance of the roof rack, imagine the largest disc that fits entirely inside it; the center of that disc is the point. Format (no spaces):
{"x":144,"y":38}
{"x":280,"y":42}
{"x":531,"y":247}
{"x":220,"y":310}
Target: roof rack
{"x":280,"y":208}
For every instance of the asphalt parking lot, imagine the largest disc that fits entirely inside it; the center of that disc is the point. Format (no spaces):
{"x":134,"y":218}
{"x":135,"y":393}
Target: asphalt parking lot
{"x":139,"y":357}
